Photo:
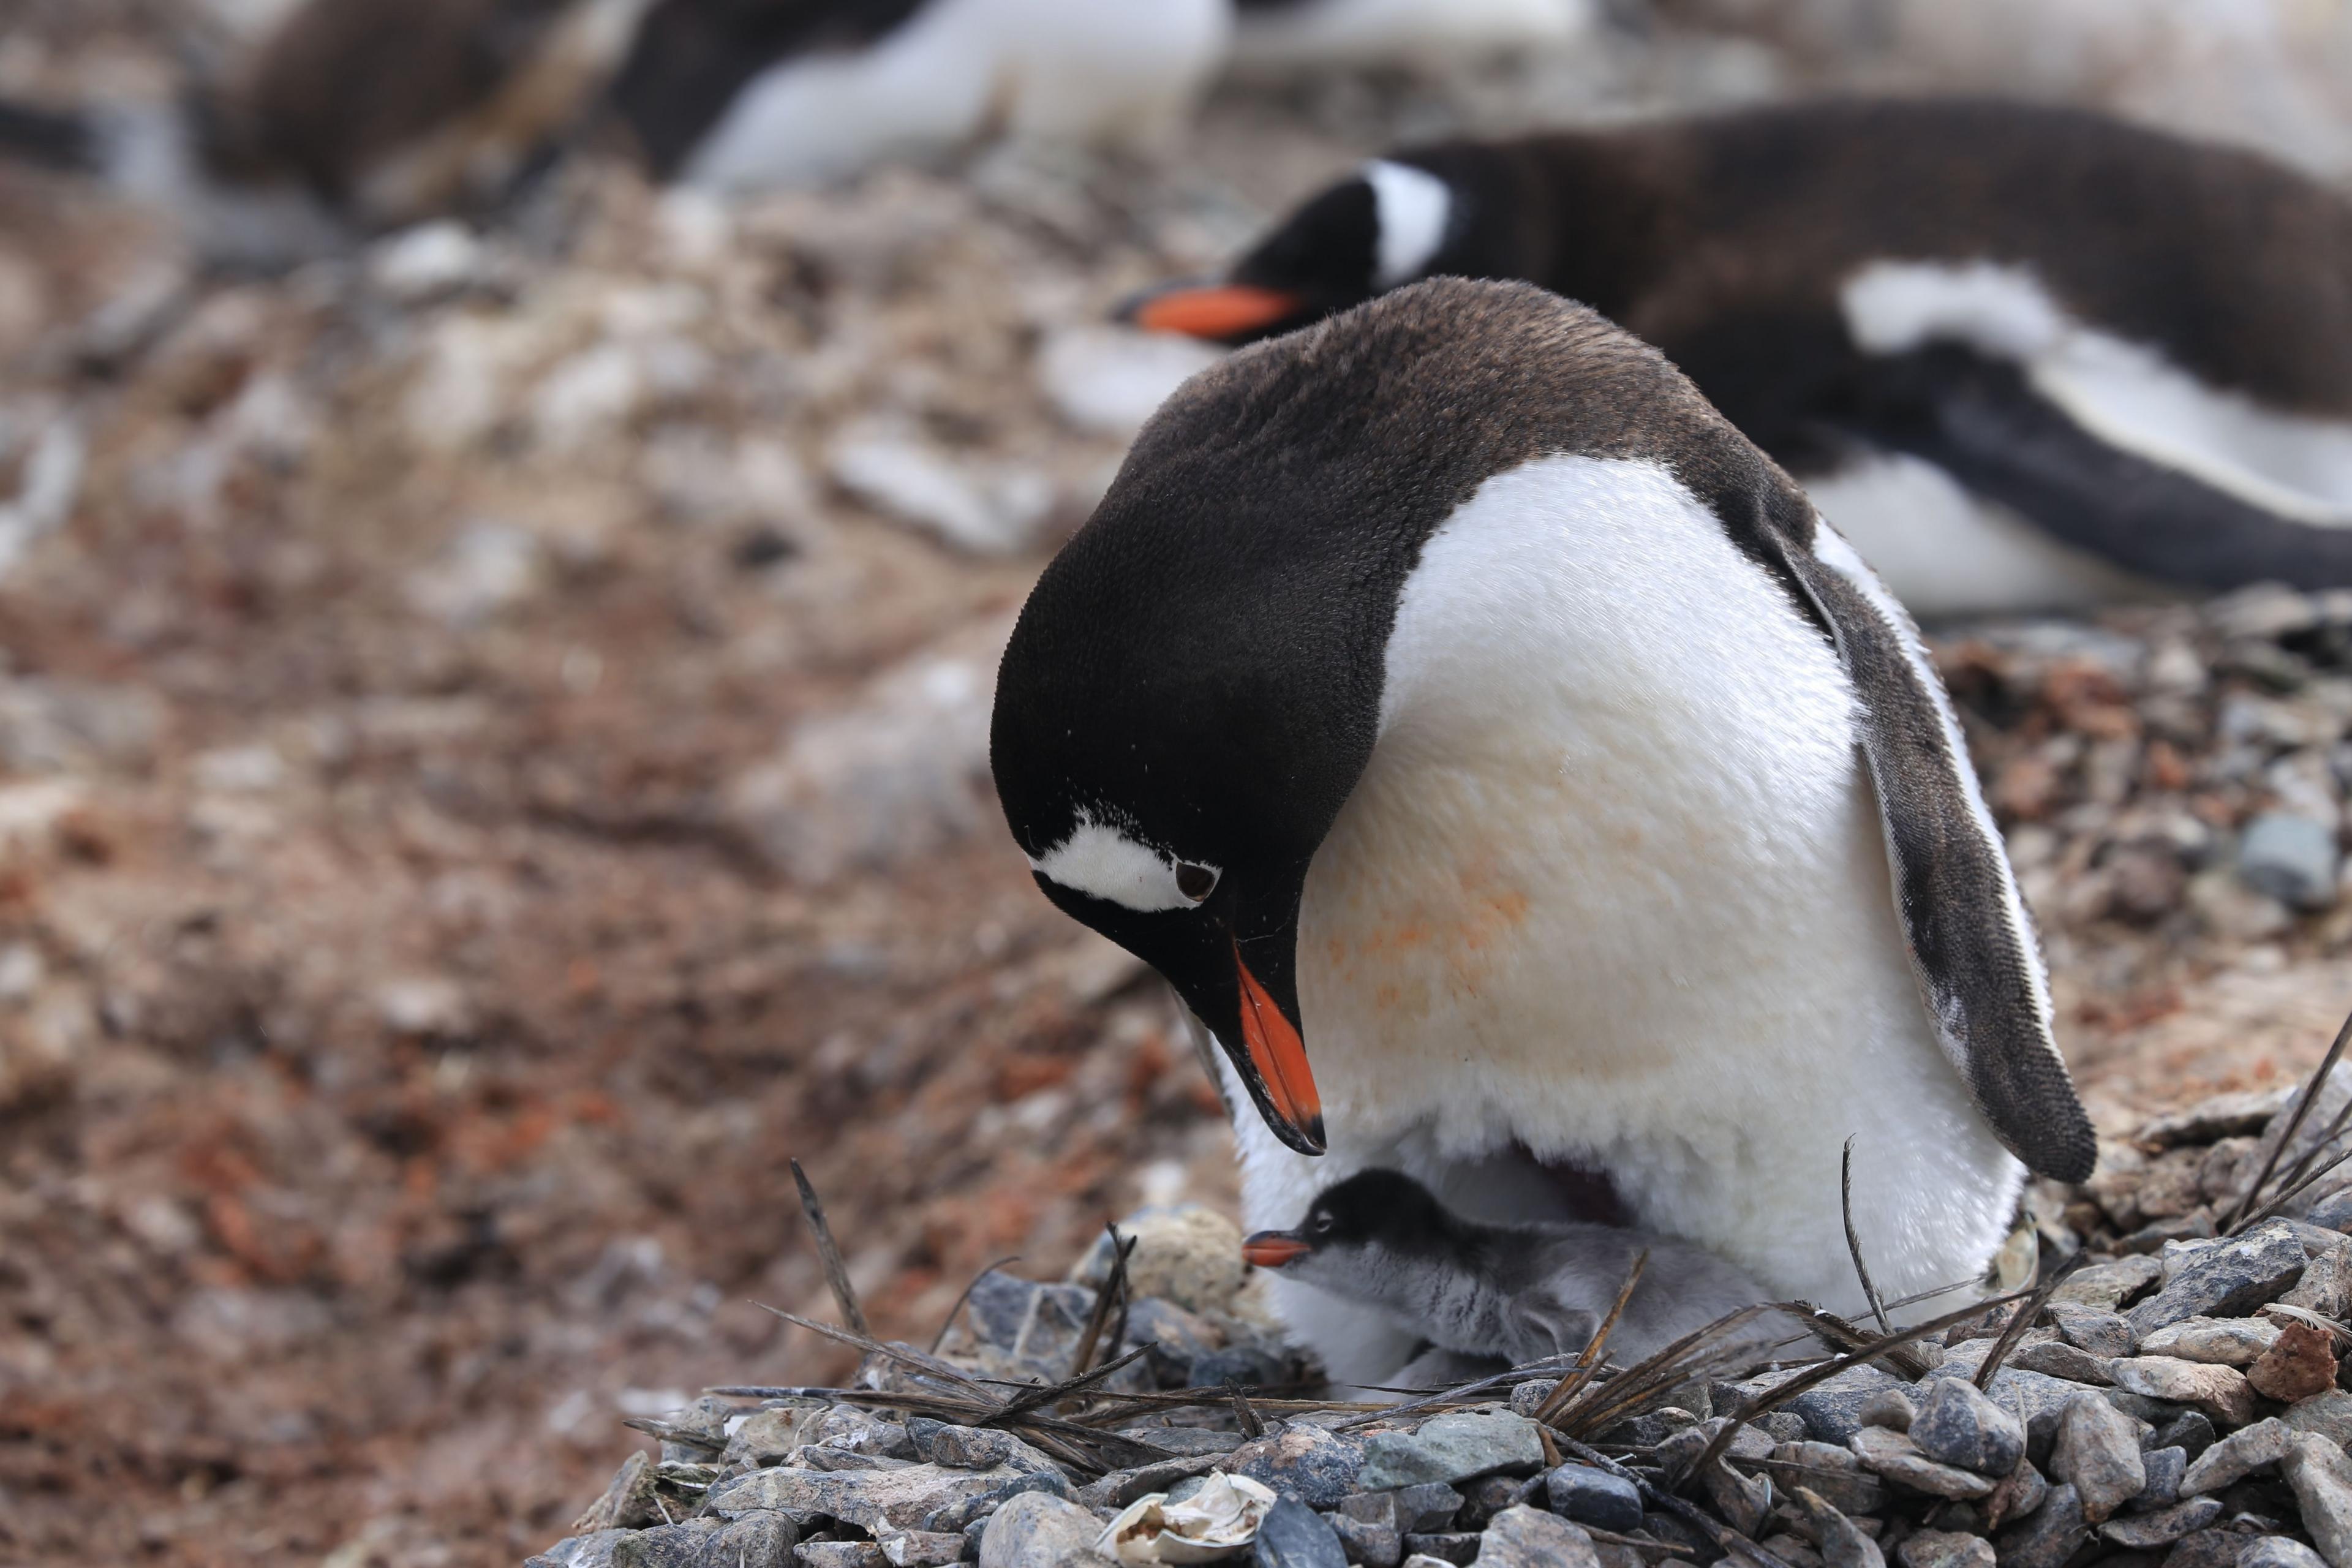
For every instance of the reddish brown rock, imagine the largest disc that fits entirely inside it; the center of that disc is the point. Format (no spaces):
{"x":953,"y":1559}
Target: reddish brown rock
{"x":2300,"y":1363}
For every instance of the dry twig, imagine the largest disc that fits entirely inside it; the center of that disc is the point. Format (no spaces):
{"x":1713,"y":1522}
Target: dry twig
{"x":2303,"y":1104}
{"x":836,"y":1273}
{"x":1854,"y":1239}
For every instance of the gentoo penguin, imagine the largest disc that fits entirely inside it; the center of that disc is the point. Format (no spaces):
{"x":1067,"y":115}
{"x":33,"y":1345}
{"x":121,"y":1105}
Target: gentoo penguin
{"x":2023,"y":357}
{"x":348,"y":117}
{"x":1515,"y":1293}
{"x":740,"y":94}
{"x":1528,"y":793}
{"x":1286,"y":34}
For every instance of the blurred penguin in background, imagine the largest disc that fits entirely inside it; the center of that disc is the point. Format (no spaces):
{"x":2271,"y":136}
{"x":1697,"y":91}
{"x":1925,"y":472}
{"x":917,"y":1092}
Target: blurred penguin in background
{"x":347,"y":116}
{"x":1289,"y":34}
{"x":739,"y":95}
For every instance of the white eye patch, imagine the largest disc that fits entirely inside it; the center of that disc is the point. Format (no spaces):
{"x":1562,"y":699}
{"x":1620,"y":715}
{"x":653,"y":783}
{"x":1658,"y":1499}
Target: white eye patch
{"x":1101,"y":862}
{"x":1409,"y":210}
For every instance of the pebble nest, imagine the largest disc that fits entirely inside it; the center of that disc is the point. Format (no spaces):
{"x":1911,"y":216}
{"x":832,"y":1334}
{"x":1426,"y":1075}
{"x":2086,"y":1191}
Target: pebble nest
{"x":2172,"y":1395}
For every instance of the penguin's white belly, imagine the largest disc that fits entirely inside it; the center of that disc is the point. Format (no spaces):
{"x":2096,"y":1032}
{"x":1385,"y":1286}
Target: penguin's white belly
{"x":1948,"y":552}
{"x":1612,"y":890}
{"x":1367,"y":32}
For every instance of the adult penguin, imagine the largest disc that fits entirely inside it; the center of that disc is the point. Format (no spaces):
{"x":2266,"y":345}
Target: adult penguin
{"x":2025,"y":357}
{"x":1527,"y":792}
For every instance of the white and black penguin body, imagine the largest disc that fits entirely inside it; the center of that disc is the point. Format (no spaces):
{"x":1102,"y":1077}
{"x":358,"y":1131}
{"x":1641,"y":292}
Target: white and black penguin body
{"x":349,"y":117}
{"x":1529,"y":795}
{"x":746,"y":94}
{"x":1513,"y":1293}
{"x":2023,"y":357}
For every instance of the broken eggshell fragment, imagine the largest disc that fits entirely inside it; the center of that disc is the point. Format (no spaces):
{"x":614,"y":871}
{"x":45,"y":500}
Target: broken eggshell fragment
{"x":1215,"y":1523}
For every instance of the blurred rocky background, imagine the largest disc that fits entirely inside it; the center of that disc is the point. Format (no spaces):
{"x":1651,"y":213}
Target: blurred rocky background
{"x":492,"y":761}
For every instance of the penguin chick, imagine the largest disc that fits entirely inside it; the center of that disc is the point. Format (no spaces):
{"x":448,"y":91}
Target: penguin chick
{"x":1521,"y":1292}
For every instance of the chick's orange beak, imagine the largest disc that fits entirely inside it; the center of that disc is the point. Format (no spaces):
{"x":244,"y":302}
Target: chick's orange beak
{"x":1214,"y":311}
{"x":1272,"y":1248}
{"x":1280,"y":1057}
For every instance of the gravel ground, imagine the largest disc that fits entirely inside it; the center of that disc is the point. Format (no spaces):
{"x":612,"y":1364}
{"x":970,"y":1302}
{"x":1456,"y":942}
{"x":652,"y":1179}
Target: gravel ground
{"x":490,"y":766}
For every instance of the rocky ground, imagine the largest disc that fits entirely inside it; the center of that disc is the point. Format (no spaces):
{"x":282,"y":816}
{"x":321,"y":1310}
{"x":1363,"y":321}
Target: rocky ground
{"x":490,"y":765}
{"x":2169,"y":1396}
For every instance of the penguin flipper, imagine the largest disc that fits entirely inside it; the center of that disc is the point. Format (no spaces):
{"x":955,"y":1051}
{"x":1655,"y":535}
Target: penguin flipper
{"x":1982,"y":422}
{"x":1970,"y":941}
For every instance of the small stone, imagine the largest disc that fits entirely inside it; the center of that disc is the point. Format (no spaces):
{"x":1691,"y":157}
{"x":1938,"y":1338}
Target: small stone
{"x":2328,"y":1415}
{"x":1484,"y":1498}
{"x":2166,"y":1468}
{"x":2144,"y":1531}
{"x":2333,"y":1211}
{"x":1294,"y":1536}
{"x":2300,"y":1364}
{"x":1832,"y":1411}
{"x":907,"y":1548}
{"x":2279,"y":1551}
{"x":2019,"y":1493}
{"x":1038,"y":1531}
{"x":906,"y":1496}
{"x":2230,"y":1280}
{"x":1317,"y":1467}
{"x":1528,"y":1537}
{"x":1741,"y":1502}
{"x":2051,"y":1534}
{"x":2056,"y":1358}
{"x":1958,"y":1425}
{"x":1793,"y":1550}
{"x":2206,"y":1549}
{"x":2211,"y":1120}
{"x":1896,"y":1456}
{"x":2325,"y":1287}
{"x":2290,"y":858}
{"x":978,"y":1449}
{"x":2106,"y":1286}
{"x":2237,"y":1456}
{"x":1594,"y":1497}
{"x":2098,"y":1454}
{"x":1889,"y":1408}
{"x":1451,"y":1448}
{"x":1366,"y":1527}
{"x":2222,"y":1341}
{"x":1423,"y":1509}
{"x":1185,"y":1253}
{"x":2191,"y":1431}
{"x":2219,"y":1392}
{"x":2321,"y":1479}
{"x":1943,"y":1549}
{"x":1456,"y":1546}
{"x":1843,"y":1544}
{"x":1423,"y":1559}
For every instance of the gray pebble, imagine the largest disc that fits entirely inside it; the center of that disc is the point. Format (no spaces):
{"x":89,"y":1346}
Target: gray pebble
{"x":1295,"y":1536}
{"x":2165,"y":1466}
{"x":2098,"y":1454}
{"x":2322,"y":1478}
{"x":1529,"y":1538}
{"x":2100,"y":1333}
{"x":1594,"y":1497}
{"x":2054,"y":1532}
{"x":2145,"y":1531}
{"x":2238,"y":1455}
{"x":2230,"y":1280}
{"x":1958,"y":1425}
{"x":1038,"y":1530}
{"x":2290,"y":858}
{"x":1423,"y":1509}
{"x":1943,"y":1549}
{"x":2279,"y":1551}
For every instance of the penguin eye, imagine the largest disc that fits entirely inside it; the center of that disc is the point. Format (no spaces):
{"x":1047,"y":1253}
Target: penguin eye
{"x":1323,"y":1222}
{"x":1196,"y":882}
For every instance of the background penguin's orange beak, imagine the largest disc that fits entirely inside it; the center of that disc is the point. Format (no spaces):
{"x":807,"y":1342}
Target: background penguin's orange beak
{"x":1272,"y":1248}
{"x":1212,"y":310}
{"x":1279,"y":1055}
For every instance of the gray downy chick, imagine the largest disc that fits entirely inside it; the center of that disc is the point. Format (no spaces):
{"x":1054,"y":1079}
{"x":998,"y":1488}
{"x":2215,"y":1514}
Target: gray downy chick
{"x":1521,"y":1292}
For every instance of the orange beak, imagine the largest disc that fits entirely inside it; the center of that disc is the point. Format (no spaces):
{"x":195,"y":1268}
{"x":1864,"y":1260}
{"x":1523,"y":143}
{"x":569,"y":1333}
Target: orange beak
{"x":1272,"y":1248}
{"x":1280,"y":1057}
{"x":1213,"y":311}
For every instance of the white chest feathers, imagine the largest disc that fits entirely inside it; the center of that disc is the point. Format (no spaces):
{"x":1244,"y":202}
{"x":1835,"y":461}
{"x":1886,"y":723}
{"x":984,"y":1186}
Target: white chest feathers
{"x":1612,"y":891}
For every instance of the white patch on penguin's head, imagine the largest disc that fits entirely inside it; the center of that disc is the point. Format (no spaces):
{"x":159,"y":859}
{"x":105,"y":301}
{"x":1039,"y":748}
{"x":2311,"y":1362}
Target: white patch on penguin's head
{"x":1102,"y":862}
{"x":1894,"y":307}
{"x":1411,"y":209}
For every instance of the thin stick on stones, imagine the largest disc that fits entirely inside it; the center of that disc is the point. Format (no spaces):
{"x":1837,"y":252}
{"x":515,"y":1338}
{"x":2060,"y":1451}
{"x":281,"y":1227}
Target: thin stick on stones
{"x":1722,"y":1534}
{"x":1646,"y":1549}
{"x":1113,"y":1289}
{"x":1599,"y":1406}
{"x":1854,"y":1239}
{"x":2022,"y":1319}
{"x":836,"y":1273}
{"x":2303,"y":1104}
{"x":948,"y":1321}
{"x":1847,"y":1336}
{"x":1581,"y":1373}
{"x":1252,"y":1427}
{"x":2287,"y":1195}
{"x":1829,"y":1369}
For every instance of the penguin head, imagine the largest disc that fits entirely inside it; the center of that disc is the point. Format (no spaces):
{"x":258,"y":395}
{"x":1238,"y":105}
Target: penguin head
{"x":1363,"y":1237}
{"x":1194,"y":687}
{"x":1393,"y":223}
